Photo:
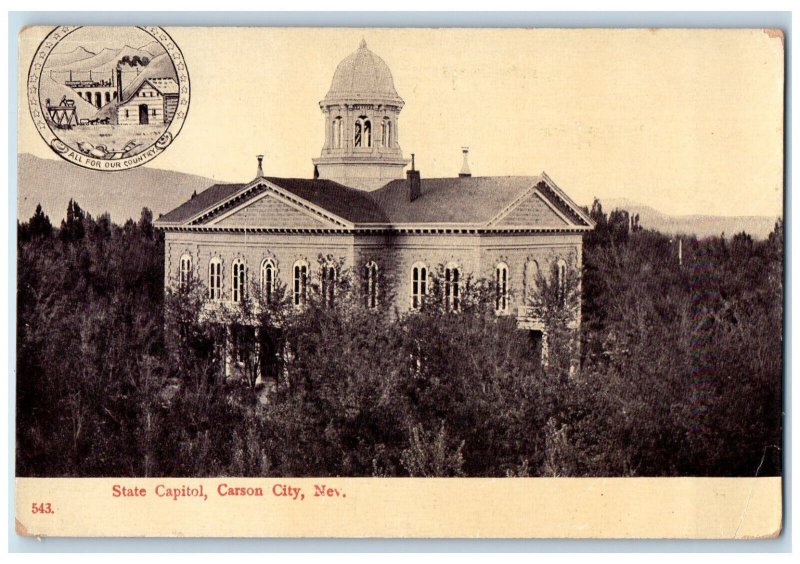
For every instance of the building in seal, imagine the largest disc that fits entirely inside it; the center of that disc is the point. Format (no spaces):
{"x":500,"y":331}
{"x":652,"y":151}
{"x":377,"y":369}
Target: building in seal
{"x":154,"y":101}
{"x":362,"y":208}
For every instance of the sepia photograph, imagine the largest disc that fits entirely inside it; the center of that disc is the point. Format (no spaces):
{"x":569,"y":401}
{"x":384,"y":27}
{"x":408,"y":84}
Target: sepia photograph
{"x":398,"y":253}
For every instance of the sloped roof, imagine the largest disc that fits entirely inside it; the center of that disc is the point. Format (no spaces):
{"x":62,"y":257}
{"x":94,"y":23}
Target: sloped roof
{"x":202,"y":201}
{"x":442,"y":201}
{"x":164,"y":85}
{"x":348,"y":203}
{"x":475,"y":199}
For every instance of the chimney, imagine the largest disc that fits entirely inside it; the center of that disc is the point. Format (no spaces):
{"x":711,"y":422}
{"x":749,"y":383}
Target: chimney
{"x":465,"y":173}
{"x":413,"y":181}
{"x":119,"y":84}
{"x":260,"y":171}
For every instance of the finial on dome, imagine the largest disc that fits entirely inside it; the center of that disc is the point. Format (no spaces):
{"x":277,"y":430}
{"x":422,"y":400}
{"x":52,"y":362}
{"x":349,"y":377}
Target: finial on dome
{"x":363,"y":44}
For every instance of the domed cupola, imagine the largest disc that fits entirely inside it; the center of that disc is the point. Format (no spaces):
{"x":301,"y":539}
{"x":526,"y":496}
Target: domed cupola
{"x":361,"y":112}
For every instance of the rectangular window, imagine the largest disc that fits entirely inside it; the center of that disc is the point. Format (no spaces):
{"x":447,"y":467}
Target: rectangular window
{"x":452,"y":294}
{"x":501,"y":288}
{"x":185,"y":272}
{"x":300,"y":283}
{"x":419,"y":285}
{"x":215,"y":280}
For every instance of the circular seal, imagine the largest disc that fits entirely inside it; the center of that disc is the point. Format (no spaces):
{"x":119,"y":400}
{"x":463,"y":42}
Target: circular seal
{"x":108,"y":98}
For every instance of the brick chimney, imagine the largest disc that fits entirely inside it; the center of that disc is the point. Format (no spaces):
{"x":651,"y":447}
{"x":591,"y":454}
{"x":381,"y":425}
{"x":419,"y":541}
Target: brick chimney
{"x":465,"y":173}
{"x":412,"y":176}
{"x":260,"y":171}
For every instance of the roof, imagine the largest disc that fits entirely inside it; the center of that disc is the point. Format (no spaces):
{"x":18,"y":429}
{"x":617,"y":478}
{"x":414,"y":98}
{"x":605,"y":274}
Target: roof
{"x":202,"y":201}
{"x":164,"y":85}
{"x":363,"y":75}
{"x":452,"y":200}
{"x":350,"y":204}
{"x":442,"y":201}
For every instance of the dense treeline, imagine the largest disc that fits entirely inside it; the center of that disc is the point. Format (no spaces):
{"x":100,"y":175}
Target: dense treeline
{"x":676,"y":369}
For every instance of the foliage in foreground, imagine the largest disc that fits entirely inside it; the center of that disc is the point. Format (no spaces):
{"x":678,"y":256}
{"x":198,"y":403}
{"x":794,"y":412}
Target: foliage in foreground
{"x":679,"y":370}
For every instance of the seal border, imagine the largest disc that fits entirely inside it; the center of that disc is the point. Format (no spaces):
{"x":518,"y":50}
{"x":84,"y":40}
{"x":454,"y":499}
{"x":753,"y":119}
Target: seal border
{"x":33,"y":89}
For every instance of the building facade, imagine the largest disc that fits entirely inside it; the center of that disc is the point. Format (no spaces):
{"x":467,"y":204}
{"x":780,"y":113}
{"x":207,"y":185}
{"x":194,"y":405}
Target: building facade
{"x":154,"y":101}
{"x":379,"y":222}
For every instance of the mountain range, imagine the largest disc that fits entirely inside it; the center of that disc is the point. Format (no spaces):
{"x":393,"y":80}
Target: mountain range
{"x":52,"y":183}
{"x":705,"y":225}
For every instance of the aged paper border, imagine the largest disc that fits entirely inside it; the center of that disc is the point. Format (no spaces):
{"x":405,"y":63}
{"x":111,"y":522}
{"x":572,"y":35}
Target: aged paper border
{"x":762,"y":490}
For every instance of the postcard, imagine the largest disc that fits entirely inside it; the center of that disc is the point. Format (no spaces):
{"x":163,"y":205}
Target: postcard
{"x":399,"y":283}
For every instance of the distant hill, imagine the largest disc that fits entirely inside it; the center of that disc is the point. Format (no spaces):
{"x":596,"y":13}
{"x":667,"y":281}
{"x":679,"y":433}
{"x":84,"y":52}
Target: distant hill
{"x":103,"y":62}
{"x":123,"y":194}
{"x":61,"y":59}
{"x":757,"y":226}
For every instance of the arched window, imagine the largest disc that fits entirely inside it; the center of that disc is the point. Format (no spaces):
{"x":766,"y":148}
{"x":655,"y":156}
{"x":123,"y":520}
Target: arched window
{"x":389,"y":141}
{"x":362,"y":136}
{"x":215,"y":279}
{"x":452,"y":288}
{"x":337,"y":133}
{"x":267,"y":279}
{"x":531,"y":274}
{"x":419,"y":284}
{"x":300,"y":283}
{"x":501,"y":288}
{"x":561,"y":280}
{"x":328,"y":284}
{"x":108,"y":97}
{"x":238,"y":281}
{"x":371,"y":284}
{"x":186,"y":272}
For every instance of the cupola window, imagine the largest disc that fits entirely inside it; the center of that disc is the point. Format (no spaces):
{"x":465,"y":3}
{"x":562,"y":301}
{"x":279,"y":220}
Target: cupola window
{"x":363,"y":132}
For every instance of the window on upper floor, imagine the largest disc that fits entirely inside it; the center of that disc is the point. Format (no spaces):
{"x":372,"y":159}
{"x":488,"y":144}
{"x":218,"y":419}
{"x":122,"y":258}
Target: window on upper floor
{"x":371,"y":284}
{"x":185,"y":276}
{"x":501,"y":288}
{"x":299,"y":283}
{"x":419,"y":284}
{"x":452,"y":288}
{"x":267,"y":279}
{"x":561,"y":281}
{"x":215,"y":279}
{"x":328,"y":284}
{"x":531,"y":275}
{"x":238,"y":281}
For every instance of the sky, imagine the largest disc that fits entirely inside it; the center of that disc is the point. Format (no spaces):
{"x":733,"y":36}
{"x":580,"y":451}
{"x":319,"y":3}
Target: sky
{"x":686,"y":121}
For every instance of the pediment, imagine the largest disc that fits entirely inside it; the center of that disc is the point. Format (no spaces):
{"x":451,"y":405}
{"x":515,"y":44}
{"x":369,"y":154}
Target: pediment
{"x":532,"y":210}
{"x":270,"y":210}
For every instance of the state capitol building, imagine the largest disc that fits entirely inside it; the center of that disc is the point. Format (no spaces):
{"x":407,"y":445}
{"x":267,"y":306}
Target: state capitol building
{"x":370,"y":209}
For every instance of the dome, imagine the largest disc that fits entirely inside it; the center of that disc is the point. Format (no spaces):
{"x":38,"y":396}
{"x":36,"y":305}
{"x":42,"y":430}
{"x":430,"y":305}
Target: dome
{"x":363,"y":76}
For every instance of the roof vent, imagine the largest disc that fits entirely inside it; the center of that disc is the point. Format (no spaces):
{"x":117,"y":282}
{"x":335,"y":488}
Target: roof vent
{"x":260,"y":171}
{"x":465,"y":173}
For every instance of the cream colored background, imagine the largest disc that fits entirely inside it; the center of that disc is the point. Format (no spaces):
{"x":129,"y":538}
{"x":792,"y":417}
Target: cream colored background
{"x":715,"y":508}
{"x":685,"y":121}
{"x":688,"y":121}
